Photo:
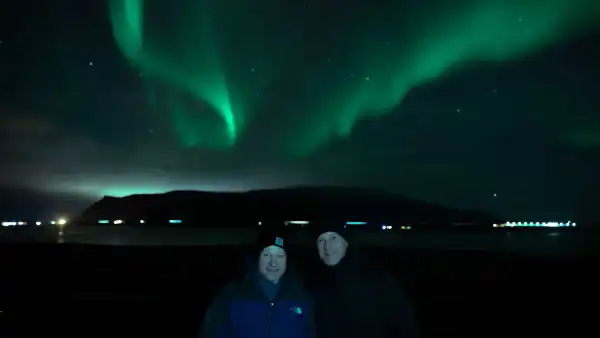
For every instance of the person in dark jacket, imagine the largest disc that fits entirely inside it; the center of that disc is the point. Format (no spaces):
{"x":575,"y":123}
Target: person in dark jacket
{"x":353,"y":296}
{"x":270,"y":301}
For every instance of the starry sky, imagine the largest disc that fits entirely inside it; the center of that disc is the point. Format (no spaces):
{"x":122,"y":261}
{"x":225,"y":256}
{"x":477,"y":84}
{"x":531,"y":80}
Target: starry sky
{"x":489,"y":104}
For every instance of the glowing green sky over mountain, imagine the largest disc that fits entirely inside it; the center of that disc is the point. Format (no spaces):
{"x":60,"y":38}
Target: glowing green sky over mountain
{"x":479,"y":104}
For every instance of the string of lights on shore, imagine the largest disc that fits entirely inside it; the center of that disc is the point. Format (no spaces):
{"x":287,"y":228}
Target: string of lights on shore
{"x":63,"y":222}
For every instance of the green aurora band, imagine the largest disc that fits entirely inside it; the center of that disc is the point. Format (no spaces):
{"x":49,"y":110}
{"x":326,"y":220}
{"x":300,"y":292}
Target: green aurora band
{"x":237,"y":59}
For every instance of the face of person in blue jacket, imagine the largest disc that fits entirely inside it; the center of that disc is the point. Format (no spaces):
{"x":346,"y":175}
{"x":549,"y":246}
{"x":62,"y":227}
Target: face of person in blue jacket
{"x":272,"y":263}
{"x":332,"y":248}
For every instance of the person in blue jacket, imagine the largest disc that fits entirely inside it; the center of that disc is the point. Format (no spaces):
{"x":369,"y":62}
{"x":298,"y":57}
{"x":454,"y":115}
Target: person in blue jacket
{"x":270,"y":301}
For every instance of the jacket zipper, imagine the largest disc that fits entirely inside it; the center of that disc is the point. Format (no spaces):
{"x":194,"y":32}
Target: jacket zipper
{"x":272,"y":304}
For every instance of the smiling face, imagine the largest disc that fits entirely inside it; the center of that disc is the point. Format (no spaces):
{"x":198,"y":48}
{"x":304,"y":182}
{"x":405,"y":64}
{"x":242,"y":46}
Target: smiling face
{"x":332,"y":248}
{"x":272,"y":263}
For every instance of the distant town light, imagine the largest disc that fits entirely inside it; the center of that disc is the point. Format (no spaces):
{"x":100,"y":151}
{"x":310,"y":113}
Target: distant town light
{"x":174,"y":221}
{"x":62,"y":221}
{"x":103,"y":221}
{"x":298,"y":222}
{"x":38,"y":223}
{"x":117,"y":221}
{"x":356,"y":223}
{"x":142,"y":221}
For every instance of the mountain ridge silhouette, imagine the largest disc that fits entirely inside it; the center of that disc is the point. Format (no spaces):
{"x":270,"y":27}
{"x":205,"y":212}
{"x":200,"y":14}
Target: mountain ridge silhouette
{"x":202,"y":208}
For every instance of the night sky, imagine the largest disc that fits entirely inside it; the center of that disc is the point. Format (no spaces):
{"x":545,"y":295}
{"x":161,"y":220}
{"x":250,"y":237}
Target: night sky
{"x":490,"y":104}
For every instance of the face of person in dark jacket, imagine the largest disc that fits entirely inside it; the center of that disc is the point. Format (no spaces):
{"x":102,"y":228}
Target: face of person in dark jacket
{"x":272,"y":263}
{"x":332,"y":248}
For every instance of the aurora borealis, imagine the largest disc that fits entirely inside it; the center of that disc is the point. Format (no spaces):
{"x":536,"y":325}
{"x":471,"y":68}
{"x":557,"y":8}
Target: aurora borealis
{"x":236,"y":56}
{"x":486,"y":104}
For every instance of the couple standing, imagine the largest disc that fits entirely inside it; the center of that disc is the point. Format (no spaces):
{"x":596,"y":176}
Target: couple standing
{"x":351,"y":297}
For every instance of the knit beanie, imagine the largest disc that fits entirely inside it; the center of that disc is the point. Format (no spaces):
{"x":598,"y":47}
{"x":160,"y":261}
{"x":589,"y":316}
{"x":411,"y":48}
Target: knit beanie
{"x":323,"y":225}
{"x":272,"y":233}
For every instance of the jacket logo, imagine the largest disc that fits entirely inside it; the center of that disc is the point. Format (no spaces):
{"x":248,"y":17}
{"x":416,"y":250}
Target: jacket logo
{"x":296,"y":309}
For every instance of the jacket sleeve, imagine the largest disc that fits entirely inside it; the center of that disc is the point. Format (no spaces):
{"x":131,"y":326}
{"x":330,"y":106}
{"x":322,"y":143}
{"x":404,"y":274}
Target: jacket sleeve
{"x":399,"y":317}
{"x":216,"y":322}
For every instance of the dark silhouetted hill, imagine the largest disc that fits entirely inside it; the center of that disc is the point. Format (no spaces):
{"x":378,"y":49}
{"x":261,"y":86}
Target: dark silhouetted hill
{"x":302,"y":203}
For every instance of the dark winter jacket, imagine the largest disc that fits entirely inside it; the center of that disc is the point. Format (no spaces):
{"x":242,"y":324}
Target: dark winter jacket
{"x":358,"y":299}
{"x":256,"y":308}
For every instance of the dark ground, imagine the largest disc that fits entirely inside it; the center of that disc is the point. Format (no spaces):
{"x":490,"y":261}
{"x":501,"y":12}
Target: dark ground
{"x":83,"y":291}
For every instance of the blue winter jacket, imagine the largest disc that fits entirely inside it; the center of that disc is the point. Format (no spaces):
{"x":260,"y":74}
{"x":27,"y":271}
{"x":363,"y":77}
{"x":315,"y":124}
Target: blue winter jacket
{"x":243,"y":310}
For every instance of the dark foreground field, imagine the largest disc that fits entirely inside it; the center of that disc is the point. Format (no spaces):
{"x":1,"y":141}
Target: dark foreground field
{"x":86,"y":291}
